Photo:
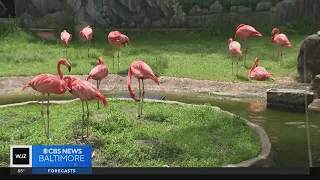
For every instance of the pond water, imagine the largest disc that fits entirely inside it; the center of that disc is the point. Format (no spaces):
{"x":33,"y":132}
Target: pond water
{"x":286,"y":130}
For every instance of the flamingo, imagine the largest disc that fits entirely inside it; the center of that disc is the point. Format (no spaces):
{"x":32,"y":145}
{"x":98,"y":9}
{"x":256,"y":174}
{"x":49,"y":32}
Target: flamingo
{"x":98,"y":73}
{"x":118,"y":41}
{"x":85,"y":91}
{"x":280,"y":40}
{"x":245,"y":32}
{"x":259,"y":73}
{"x":141,"y":71}
{"x":48,"y":84}
{"x":235,"y":50}
{"x":66,"y":37}
{"x":87,"y":34}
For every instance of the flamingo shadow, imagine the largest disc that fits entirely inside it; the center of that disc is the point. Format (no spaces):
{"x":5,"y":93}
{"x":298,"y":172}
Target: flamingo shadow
{"x":242,"y":78}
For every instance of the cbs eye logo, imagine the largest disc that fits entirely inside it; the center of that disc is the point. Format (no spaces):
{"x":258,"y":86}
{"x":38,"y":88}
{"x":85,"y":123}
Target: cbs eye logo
{"x":20,"y":156}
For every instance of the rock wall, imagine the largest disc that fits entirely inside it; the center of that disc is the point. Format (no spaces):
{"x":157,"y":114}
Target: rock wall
{"x":155,"y":14}
{"x":309,"y":59}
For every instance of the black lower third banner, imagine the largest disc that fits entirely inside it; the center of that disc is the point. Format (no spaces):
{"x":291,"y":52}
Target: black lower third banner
{"x":163,"y":171}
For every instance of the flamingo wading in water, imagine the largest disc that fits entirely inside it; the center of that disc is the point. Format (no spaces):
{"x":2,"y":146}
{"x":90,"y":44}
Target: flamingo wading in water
{"x":259,"y":73}
{"x":118,"y":41}
{"x":280,"y":40}
{"x":141,"y":71}
{"x":98,"y":73}
{"x":87,"y":34}
{"x":66,"y":38}
{"x":85,"y":91}
{"x":245,"y":32}
{"x":235,"y":50}
{"x":48,"y":84}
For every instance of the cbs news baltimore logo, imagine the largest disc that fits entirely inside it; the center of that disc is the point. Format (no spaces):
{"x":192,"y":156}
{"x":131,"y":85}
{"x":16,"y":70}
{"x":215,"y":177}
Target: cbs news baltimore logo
{"x":52,"y":158}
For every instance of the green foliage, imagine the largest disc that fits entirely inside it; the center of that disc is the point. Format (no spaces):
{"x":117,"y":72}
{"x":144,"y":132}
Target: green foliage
{"x":306,"y":26}
{"x":9,"y":27}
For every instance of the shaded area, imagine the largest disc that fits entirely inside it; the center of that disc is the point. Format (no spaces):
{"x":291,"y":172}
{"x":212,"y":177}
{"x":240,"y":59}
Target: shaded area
{"x":7,"y":8}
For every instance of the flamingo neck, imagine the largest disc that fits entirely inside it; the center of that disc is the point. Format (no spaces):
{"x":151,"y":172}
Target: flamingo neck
{"x":253,"y":66}
{"x":59,"y":70}
{"x":274,"y":35}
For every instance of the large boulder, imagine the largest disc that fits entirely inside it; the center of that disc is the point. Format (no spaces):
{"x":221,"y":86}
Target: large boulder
{"x":315,"y":86}
{"x":309,"y":56}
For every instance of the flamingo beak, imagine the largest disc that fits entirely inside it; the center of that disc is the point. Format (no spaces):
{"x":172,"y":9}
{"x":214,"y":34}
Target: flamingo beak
{"x":69,"y":68}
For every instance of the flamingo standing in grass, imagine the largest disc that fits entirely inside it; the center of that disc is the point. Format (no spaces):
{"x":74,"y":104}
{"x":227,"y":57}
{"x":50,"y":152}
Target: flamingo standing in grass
{"x":66,"y":38}
{"x":48,"y":84}
{"x":280,"y":40}
{"x":85,"y":91}
{"x":141,"y":71}
{"x":259,"y":73}
{"x":235,"y":50}
{"x":98,"y":73}
{"x":118,"y":41}
{"x":245,"y":32}
{"x":87,"y":34}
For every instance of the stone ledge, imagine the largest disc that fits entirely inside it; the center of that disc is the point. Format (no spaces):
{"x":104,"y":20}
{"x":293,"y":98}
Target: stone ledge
{"x":264,"y":159}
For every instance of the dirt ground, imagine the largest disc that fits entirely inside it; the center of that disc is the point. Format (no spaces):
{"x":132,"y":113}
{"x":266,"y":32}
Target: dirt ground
{"x":171,"y":84}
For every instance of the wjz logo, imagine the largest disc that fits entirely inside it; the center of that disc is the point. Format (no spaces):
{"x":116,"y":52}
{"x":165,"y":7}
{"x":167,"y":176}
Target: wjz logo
{"x":20,"y":156}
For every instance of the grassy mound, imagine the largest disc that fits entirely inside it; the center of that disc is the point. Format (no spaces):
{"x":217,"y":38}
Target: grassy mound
{"x":168,"y":134}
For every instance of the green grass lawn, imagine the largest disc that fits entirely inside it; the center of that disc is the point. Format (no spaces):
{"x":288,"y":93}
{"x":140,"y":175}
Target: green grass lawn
{"x":168,"y":134}
{"x":190,"y":54}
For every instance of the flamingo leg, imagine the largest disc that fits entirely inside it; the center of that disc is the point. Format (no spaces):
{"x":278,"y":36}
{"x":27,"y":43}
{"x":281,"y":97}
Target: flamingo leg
{"x":142,"y":96}
{"x":139,"y":115}
{"x":232,"y":64}
{"x":87,"y":118}
{"x":89,"y":48}
{"x":98,"y":84}
{"x":237,"y":62}
{"x":113,"y":59}
{"x":42,"y":115}
{"x":66,"y":50}
{"x":281,"y":54}
{"x":118,"y":60}
{"x":245,"y":52}
{"x":82,"y":119}
{"x":48,"y":114}
{"x":278,"y":51}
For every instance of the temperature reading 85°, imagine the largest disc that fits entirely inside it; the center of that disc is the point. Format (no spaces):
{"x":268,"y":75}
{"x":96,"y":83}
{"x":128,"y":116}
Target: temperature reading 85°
{"x":20,"y":171}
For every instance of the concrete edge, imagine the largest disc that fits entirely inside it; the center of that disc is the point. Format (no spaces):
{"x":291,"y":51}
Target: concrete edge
{"x":264,"y":159}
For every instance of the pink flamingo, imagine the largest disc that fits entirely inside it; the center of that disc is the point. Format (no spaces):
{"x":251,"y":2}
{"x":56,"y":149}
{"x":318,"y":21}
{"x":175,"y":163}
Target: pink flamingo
{"x":280,"y":40}
{"x":66,"y":37}
{"x":87,"y":34}
{"x":48,"y":84}
{"x":246,"y":32}
{"x":259,"y":73}
{"x":141,"y":71}
{"x":235,"y":50}
{"x":85,"y":91}
{"x":118,"y":41}
{"x":98,"y":73}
